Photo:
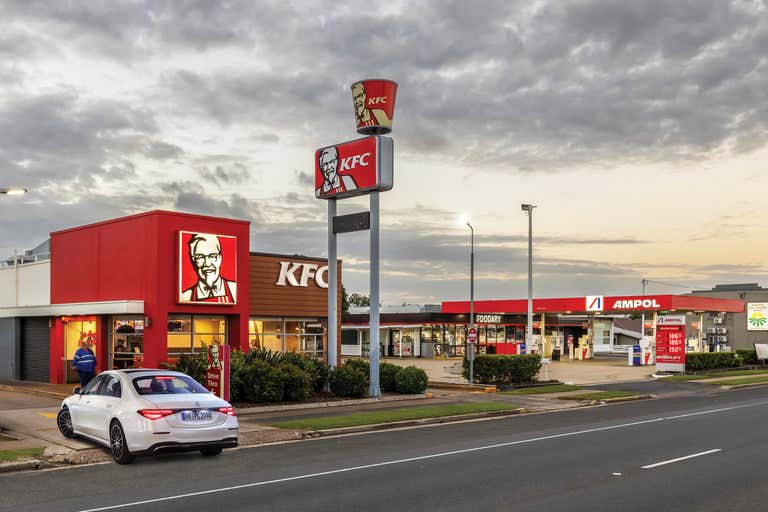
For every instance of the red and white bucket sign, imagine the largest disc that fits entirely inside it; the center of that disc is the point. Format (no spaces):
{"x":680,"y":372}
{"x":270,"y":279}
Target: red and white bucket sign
{"x":374,"y":103}
{"x":354,"y":168}
{"x":217,"y":373}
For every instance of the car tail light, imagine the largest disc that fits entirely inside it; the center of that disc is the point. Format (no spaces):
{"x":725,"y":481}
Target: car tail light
{"x":155,"y":414}
{"x":229,"y":411}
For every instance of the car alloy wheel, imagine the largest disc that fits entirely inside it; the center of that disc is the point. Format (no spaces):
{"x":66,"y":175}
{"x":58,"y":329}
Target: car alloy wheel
{"x":64,"y":422}
{"x":118,"y":445}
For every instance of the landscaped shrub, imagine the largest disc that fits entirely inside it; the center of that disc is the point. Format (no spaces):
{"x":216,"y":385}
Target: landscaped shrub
{"x":297,"y":385}
{"x":349,"y":381}
{"x":360,"y":364}
{"x":387,"y":374}
{"x":193,"y":365}
{"x":316,"y":369}
{"x":411,"y":380}
{"x":748,"y":355}
{"x":504,"y":369}
{"x":237,"y":367}
{"x":262,"y":382}
{"x":698,"y":361}
{"x":266,"y":355}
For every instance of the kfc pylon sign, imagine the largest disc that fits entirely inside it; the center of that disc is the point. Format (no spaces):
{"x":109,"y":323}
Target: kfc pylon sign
{"x":374,"y":103}
{"x":354,"y":168}
{"x":299,"y":274}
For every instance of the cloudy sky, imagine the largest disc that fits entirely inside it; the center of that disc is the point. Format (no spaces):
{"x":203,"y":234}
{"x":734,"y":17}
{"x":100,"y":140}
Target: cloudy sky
{"x":638,"y":128}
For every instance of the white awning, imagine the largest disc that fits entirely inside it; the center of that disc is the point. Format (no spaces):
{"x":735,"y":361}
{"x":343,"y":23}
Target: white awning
{"x":112,"y":307}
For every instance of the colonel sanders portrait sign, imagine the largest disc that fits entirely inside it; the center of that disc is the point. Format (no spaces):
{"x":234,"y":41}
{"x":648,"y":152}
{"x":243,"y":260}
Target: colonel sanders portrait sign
{"x":354,"y":168}
{"x":207,"y":268}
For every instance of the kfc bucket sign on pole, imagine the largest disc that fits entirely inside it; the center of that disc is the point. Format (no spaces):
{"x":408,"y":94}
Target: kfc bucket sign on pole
{"x":358,"y":167}
{"x":374,"y":103}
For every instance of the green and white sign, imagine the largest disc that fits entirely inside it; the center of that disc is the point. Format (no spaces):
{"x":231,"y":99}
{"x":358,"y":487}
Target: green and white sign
{"x":757,"y":316}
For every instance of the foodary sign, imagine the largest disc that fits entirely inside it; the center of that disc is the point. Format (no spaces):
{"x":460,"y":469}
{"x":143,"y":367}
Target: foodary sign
{"x":670,"y":343}
{"x":354,"y":168}
{"x":757,"y":316}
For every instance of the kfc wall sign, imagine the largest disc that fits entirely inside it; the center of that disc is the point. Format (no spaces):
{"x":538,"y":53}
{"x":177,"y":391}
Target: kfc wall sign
{"x":354,"y":168}
{"x":374,"y":103}
{"x":207,"y":268}
{"x":299,"y":274}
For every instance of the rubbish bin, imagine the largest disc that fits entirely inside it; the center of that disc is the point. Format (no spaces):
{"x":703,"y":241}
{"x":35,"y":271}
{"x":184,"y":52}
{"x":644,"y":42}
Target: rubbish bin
{"x":556,"y":354}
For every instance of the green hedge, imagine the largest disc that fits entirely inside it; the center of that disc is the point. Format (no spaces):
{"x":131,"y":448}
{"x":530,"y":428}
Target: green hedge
{"x":698,"y":361}
{"x":505,"y":369}
{"x":349,"y":380}
{"x":411,"y":380}
{"x":387,"y":375}
{"x":748,"y":355}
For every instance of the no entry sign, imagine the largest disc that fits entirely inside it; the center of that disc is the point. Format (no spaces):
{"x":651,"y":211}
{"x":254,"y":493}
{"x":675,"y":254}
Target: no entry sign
{"x":472,"y":335}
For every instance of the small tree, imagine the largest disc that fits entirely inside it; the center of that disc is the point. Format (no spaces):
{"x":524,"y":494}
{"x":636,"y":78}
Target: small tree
{"x":358,"y":299}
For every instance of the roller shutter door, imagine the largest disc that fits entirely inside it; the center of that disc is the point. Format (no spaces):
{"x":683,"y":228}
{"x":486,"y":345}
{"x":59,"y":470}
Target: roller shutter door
{"x":35,"y":347}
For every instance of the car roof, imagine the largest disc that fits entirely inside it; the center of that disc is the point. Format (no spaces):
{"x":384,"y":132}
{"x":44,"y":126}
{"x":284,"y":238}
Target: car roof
{"x":136,"y":372}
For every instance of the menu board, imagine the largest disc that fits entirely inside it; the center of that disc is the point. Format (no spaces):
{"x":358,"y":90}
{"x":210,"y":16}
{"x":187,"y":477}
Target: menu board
{"x":670,"y":343}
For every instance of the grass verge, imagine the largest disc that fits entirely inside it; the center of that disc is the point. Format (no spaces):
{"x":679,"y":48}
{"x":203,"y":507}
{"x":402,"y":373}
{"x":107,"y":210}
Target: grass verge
{"x":600,"y":395}
{"x":539,"y":390}
{"x":411,"y":413}
{"x":736,"y":382}
{"x":716,"y":375}
{"x":20,"y":454}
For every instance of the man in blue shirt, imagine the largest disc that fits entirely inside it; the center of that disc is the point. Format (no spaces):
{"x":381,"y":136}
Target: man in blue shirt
{"x":85,"y":363}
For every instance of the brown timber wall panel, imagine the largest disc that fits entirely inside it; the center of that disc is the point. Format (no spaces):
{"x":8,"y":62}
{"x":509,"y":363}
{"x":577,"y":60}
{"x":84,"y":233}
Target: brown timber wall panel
{"x":268,"y":299}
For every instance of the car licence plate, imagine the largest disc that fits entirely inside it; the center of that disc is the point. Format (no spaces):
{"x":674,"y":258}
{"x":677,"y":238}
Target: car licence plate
{"x":201,"y":415}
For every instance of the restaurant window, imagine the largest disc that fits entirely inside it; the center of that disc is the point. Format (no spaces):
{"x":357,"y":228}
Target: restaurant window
{"x":287,"y":335}
{"x":188,"y":334}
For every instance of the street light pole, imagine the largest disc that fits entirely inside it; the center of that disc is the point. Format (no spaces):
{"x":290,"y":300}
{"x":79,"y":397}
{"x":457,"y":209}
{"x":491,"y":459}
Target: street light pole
{"x":528,"y":208}
{"x":642,"y":318}
{"x":470,"y":346}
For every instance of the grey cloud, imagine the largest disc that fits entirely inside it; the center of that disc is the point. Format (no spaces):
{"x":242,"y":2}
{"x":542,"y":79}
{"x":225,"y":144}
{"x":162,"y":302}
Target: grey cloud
{"x":220,"y":175}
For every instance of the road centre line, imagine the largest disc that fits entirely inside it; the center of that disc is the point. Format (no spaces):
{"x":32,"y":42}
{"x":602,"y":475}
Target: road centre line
{"x":664,"y":463}
{"x":421,"y":457}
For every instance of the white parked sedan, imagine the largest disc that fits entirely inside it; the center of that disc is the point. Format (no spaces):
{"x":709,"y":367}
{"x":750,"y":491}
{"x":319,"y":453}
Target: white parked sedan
{"x":140,"y":411}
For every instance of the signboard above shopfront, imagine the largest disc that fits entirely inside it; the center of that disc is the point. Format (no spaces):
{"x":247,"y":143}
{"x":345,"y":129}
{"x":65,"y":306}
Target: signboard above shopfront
{"x":299,"y":274}
{"x":207,"y":269}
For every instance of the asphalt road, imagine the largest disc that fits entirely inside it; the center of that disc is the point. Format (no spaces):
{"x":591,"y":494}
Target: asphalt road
{"x":587,"y":459}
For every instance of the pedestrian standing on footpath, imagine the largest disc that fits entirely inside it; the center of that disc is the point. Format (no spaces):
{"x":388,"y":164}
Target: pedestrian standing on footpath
{"x":85,"y":363}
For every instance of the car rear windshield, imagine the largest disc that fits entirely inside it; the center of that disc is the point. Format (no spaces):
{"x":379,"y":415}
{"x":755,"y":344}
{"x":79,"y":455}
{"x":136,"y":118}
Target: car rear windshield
{"x":167,"y":385}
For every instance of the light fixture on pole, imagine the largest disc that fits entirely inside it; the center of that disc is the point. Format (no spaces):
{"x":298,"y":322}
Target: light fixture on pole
{"x":528,"y":208}
{"x":13,"y":191}
{"x":470,"y":345}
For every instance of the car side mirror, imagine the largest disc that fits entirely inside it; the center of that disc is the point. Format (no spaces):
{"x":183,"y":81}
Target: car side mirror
{"x":76,"y":391}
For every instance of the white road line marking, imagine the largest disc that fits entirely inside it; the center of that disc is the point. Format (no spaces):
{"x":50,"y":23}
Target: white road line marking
{"x":664,"y":463}
{"x":422,"y":457}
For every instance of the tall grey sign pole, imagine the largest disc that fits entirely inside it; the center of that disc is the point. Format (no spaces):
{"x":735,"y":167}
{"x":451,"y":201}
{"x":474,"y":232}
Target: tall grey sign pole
{"x":373,"y":318}
{"x":332,"y":286}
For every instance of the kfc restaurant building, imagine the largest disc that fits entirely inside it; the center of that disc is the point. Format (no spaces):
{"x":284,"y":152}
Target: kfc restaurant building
{"x":144,"y":289}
